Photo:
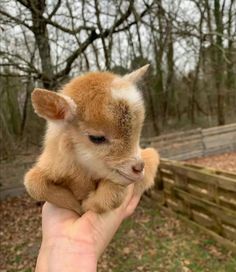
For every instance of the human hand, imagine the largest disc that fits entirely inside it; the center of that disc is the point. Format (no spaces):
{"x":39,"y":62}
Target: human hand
{"x":72,"y":243}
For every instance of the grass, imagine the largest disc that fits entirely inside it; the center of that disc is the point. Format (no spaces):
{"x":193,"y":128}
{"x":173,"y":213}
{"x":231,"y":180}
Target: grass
{"x":153,"y":241}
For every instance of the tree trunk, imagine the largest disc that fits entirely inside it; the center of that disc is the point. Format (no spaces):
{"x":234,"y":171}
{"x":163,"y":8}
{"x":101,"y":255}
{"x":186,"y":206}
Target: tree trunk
{"x":37,"y":8}
{"x":219,"y":66}
{"x":170,"y":95}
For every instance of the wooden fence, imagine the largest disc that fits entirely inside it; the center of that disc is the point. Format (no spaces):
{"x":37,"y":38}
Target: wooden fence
{"x":195,"y":143}
{"x":203,"y":196}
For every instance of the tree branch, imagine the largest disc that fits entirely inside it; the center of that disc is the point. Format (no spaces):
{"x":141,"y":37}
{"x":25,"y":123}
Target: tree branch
{"x":55,"y":9}
{"x":15,"y":19}
{"x":92,"y":37}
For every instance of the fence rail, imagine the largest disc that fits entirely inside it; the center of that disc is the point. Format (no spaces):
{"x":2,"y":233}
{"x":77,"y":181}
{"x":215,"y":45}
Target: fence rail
{"x":201,"y":195}
{"x":195,"y":143}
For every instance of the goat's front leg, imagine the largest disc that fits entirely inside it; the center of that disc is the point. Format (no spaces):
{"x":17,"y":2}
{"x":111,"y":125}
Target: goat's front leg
{"x":43,"y":189}
{"x":151,"y":159}
{"x":107,"y":196}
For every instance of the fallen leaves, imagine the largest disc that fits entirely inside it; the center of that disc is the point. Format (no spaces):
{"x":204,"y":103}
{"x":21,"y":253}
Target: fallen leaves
{"x":149,"y":241}
{"x":225,"y":162}
{"x":20,"y":233}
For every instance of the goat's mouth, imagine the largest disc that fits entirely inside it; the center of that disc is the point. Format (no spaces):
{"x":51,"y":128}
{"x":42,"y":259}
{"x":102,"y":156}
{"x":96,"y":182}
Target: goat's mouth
{"x":129,"y":177}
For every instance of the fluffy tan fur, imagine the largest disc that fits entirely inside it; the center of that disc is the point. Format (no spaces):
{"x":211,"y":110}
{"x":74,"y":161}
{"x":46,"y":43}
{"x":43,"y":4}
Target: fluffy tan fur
{"x":73,"y":171}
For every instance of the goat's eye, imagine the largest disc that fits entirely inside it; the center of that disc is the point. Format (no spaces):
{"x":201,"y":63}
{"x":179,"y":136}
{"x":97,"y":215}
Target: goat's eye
{"x":97,"y":139}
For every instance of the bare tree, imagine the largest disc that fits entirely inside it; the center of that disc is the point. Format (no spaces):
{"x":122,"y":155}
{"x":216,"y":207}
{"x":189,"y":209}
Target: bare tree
{"x":39,"y":18}
{"x":189,"y":44}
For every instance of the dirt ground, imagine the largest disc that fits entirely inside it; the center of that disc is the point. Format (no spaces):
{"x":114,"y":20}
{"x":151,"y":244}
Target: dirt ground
{"x":148,"y":241}
{"x":12,"y":171}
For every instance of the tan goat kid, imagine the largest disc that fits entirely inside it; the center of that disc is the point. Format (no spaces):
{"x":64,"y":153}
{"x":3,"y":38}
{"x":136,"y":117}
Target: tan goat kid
{"x":91,"y":147}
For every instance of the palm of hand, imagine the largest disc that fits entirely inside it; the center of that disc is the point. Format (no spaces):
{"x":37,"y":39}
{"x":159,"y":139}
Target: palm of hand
{"x":88,"y":235}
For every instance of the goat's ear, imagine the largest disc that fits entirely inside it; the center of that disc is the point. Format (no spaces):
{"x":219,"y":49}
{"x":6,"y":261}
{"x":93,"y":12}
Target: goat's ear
{"x":137,"y":75}
{"x":53,"y":106}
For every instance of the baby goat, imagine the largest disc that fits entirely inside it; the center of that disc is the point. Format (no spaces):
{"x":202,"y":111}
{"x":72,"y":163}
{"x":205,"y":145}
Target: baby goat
{"x":91,"y":147}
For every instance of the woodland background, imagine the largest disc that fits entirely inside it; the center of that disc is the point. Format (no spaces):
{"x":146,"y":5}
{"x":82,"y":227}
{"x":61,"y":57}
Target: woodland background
{"x":190,"y":44}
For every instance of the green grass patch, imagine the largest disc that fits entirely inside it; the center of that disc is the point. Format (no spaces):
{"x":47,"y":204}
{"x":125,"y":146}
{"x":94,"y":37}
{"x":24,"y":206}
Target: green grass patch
{"x":154,"y":241}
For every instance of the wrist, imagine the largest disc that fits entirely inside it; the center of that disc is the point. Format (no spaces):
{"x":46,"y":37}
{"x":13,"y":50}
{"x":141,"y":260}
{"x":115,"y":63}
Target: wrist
{"x":65,"y":255}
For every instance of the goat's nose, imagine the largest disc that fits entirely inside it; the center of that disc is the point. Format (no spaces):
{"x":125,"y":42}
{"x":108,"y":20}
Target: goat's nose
{"x":138,"y":167}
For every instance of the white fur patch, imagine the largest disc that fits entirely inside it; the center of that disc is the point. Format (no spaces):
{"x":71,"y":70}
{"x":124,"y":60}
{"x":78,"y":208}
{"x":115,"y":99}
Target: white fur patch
{"x":93,"y":165}
{"x":131,"y":95}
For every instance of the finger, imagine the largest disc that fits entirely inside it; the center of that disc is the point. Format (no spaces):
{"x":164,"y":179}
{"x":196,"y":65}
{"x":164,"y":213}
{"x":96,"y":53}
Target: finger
{"x":129,"y":195}
{"x":132,"y":205}
{"x":52,"y":213}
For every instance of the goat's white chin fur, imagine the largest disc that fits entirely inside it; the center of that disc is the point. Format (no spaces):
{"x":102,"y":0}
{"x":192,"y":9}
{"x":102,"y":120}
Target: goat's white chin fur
{"x":100,"y":170}
{"x":87,"y":160}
